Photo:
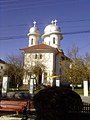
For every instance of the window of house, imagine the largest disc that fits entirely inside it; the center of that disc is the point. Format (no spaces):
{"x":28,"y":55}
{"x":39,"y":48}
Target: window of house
{"x":40,"y":56}
{"x":35,"y":56}
{"x":1,"y":67}
{"x":53,"y":40}
{"x":31,"y":41}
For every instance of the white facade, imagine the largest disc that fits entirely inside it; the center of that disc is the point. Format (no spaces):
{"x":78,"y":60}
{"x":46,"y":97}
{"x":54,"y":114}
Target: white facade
{"x":47,"y":53}
{"x":47,"y":60}
{"x":2,"y":68}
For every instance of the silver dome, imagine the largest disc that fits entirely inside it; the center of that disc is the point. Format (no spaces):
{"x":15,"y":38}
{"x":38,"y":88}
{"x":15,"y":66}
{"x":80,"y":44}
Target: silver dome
{"x":34,"y":30}
{"x":51,"y":28}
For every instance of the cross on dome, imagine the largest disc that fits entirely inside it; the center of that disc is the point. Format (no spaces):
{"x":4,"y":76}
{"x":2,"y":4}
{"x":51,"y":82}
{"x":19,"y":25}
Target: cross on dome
{"x":52,"y":22}
{"x":55,"y":21}
{"x":34,"y":23}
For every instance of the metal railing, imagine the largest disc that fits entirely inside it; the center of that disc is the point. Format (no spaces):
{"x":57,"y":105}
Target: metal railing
{"x":86,"y":108}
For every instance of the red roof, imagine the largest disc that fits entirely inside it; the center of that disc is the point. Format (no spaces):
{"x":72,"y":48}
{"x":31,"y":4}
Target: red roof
{"x":39,"y":46}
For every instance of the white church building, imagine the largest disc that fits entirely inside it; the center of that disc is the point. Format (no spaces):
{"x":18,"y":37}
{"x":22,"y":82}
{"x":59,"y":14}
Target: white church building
{"x":47,"y":53}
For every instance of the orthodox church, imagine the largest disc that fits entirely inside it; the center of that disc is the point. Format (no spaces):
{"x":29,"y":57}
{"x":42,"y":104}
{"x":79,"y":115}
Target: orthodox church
{"x":47,"y":53}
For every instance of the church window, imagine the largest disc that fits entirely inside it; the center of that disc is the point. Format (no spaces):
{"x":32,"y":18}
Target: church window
{"x":40,"y":56}
{"x":31,"y":41}
{"x":35,"y":56}
{"x":49,"y":42}
{"x":53,"y":40}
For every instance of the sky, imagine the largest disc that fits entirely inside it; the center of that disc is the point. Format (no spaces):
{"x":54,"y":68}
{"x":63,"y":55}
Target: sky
{"x":17,"y":16}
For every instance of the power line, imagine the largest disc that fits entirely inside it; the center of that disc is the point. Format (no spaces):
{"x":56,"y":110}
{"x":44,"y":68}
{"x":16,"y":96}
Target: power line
{"x":5,"y":1}
{"x":77,"y":32}
{"x":40,"y":23}
{"x":80,"y":20}
{"x":12,"y":37}
{"x":24,"y":36}
{"x":16,"y":4}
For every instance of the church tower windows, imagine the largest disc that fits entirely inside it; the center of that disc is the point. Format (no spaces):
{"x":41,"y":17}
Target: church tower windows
{"x":53,"y":40}
{"x":32,"y":41}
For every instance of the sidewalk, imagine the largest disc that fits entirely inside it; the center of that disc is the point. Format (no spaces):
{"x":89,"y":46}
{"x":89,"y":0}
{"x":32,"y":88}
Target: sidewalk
{"x":4,"y":116}
{"x":9,"y":118}
{"x":86,"y":99}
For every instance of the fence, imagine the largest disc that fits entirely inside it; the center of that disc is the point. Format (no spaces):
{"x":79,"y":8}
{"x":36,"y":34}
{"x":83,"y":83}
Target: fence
{"x":82,"y":115}
{"x":86,"y":108}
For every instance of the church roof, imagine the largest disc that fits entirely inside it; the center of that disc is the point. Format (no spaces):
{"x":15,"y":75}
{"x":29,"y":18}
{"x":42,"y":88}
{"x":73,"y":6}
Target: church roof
{"x":39,"y":47}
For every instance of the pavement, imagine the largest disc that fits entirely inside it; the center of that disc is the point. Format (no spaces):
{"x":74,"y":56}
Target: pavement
{"x":85,"y":99}
{"x":9,"y":116}
{"x":13,"y":118}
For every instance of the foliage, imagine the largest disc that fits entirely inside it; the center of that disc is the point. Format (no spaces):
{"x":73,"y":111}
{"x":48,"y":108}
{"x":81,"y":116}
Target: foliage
{"x":76,"y":70}
{"x":87,"y":64}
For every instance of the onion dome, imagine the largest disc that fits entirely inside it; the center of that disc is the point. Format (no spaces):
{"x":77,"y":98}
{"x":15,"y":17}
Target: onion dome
{"x":51,"y":29}
{"x":34,"y":30}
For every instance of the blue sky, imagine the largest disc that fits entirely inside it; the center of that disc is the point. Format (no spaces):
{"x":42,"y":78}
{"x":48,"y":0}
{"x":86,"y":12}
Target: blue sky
{"x":17,"y":16}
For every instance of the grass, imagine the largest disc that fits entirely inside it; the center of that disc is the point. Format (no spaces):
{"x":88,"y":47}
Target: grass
{"x":80,"y":91}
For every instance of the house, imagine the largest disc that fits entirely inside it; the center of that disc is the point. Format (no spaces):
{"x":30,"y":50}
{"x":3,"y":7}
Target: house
{"x":47,"y":53}
{"x":2,"y":68}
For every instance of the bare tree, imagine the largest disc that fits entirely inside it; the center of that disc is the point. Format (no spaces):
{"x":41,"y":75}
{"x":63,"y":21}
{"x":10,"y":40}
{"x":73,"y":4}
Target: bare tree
{"x":73,"y":53}
{"x":35,"y":69}
{"x":15,"y":69}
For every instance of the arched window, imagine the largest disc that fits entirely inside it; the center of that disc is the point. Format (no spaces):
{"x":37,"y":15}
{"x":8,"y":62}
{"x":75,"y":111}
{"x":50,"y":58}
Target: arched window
{"x":40,"y":56}
{"x":53,"y":40}
{"x":35,"y":56}
{"x":32,"y":41}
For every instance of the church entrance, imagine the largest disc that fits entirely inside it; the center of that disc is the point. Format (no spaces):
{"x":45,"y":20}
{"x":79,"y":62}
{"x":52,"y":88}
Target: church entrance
{"x":39,"y":79}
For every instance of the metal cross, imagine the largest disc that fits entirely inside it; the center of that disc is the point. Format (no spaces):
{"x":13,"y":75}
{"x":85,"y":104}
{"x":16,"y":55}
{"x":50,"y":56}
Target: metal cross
{"x":34,"y":23}
{"x":55,"y":21}
{"x":52,"y":21}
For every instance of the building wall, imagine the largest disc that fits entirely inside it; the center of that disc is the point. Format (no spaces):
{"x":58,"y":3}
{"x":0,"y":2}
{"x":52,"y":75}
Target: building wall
{"x":57,"y":40}
{"x":33,"y":40}
{"x":2,"y":68}
{"x":47,"y":59}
